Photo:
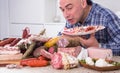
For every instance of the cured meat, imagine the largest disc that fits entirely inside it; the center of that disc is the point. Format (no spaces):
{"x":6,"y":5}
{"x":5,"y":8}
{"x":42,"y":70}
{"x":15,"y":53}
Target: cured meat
{"x":74,"y":51}
{"x":97,"y":53}
{"x":15,"y":41}
{"x":45,"y":53}
{"x":6,"y":41}
{"x":9,"y":50}
{"x":11,"y":57}
{"x":63,"y":60}
{"x":56,"y":61}
{"x":67,"y":42}
{"x":83,"y":30}
{"x":37,"y":51}
{"x":26,"y":33}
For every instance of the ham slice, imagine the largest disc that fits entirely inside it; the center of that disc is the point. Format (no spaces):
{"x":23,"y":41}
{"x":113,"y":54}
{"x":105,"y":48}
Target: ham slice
{"x":6,"y":50}
{"x":63,"y":60}
{"x":97,"y":53}
{"x":10,"y":53}
{"x":56,"y":61}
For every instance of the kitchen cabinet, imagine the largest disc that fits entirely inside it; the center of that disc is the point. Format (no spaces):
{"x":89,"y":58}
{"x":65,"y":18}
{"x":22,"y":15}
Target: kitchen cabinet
{"x":52,"y":29}
{"x":32,"y":11}
{"x":4,"y":19}
{"x":32,"y":14}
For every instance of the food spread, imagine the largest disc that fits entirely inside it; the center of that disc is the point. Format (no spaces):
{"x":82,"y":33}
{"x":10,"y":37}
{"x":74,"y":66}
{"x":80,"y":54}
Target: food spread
{"x":36,"y":50}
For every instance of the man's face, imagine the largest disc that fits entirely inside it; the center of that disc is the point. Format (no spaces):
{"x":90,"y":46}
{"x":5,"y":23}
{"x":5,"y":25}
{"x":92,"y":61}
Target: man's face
{"x":72,"y":10}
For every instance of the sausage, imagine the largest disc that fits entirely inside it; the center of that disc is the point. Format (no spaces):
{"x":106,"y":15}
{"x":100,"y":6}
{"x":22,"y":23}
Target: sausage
{"x":6,"y":41}
{"x":26,"y":32}
{"x":29,"y":50}
{"x":15,"y":41}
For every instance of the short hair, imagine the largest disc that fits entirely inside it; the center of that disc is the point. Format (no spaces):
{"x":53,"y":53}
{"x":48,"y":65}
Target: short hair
{"x":89,"y":2}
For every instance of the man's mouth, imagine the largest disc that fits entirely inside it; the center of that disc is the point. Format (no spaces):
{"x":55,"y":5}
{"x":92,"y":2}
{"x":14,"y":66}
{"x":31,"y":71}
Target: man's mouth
{"x":70,"y":20}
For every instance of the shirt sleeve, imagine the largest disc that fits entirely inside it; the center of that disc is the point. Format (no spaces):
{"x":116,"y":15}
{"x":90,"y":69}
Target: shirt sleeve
{"x":114,"y":33}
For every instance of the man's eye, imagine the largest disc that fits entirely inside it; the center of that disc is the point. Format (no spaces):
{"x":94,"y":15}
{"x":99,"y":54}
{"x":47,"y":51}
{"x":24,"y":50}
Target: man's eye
{"x":69,"y":7}
{"x":62,"y":10}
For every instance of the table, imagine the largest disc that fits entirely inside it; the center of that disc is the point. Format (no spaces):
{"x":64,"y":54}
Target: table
{"x":49,"y":69}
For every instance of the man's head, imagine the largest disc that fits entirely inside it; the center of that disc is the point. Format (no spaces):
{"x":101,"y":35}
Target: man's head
{"x":74,"y":10}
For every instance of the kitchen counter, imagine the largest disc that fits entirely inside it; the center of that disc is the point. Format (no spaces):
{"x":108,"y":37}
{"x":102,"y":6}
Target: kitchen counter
{"x":49,"y":69}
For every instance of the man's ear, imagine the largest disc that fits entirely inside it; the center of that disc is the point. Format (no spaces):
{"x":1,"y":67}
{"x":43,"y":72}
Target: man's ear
{"x":83,"y":3}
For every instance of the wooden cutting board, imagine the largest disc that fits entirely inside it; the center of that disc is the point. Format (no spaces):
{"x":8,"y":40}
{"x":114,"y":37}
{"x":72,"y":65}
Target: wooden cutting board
{"x":6,"y":62}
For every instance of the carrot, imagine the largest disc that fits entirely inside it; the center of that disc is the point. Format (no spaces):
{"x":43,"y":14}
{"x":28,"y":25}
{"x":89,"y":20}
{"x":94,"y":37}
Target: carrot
{"x":41,"y":58}
{"x":23,"y":62}
{"x":34,"y":62}
{"x":37,"y":63}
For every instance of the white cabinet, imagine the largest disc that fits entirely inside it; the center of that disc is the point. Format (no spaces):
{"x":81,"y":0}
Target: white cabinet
{"x":16,"y":30}
{"x":15,"y":15}
{"x":4,"y":19}
{"x":32,"y":11}
{"x":52,"y":29}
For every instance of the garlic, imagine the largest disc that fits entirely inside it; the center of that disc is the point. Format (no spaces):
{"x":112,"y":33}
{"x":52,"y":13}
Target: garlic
{"x":101,"y":63}
{"x":89,"y":61}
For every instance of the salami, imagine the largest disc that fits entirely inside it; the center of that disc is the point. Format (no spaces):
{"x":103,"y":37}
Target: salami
{"x":6,"y":41}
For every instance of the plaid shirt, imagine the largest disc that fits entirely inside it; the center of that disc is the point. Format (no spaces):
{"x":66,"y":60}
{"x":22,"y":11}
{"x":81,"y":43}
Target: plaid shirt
{"x":108,"y":37}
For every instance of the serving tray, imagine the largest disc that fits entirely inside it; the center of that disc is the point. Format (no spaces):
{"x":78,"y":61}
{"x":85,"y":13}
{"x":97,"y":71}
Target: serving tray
{"x":108,"y":68}
{"x":6,"y":62}
{"x":82,"y":30}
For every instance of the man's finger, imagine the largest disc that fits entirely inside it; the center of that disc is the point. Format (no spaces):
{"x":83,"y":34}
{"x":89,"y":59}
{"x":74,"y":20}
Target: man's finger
{"x":92,"y":35}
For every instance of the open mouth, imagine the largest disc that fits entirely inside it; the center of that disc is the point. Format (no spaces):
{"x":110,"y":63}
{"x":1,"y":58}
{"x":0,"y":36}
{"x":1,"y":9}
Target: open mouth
{"x":70,"y":20}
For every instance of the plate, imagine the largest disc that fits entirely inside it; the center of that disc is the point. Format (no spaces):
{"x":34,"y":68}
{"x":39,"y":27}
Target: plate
{"x":83,"y":30}
{"x":108,"y":68}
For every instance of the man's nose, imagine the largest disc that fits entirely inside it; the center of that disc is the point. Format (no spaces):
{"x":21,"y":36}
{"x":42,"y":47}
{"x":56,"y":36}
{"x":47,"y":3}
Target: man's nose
{"x":66,"y":14}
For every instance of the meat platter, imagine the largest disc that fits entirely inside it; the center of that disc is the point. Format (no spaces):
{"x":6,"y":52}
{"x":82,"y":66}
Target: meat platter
{"x":83,"y":30}
{"x":107,"y":68}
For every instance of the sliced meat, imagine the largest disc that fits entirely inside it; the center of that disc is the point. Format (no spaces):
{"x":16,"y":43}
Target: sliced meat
{"x":15,"y":41}
{"x":9,"y":50}
{"x":97,"y":53}
{"x":63,"y":60}
{"x":74,"y":51}
{"x":11,"y":57}
{"x":45,"y":53}
{"x":56,"y":61}
{"x":37,"y":51}
{"x":67,"y":42}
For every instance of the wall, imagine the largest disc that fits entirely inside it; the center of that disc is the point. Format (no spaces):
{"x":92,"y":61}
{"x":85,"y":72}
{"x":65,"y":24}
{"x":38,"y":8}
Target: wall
{"x":114,"y":5}
{"x":13,"y":19}
{"x":4,"y":19}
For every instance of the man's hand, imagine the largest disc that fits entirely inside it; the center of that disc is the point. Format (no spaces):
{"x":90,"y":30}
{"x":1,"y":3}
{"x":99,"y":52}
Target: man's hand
{"x":90,"y":42}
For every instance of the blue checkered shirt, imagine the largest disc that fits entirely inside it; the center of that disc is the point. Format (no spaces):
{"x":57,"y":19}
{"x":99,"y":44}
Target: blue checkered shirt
{"x":108,"y":37}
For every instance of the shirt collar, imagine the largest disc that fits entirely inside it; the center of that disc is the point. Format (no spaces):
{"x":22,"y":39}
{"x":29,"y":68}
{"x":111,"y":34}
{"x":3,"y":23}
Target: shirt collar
{"x":88,"y":18}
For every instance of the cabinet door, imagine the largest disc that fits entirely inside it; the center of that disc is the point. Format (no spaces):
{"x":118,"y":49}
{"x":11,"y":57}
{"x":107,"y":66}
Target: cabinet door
{"x":16,"y":30}
{"x":26,"y":11}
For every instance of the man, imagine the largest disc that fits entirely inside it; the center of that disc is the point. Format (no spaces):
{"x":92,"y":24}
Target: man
{"x":85,"y":12}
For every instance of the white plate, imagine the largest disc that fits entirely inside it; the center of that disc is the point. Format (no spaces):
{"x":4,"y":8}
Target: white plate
{"x":82,"y":30}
